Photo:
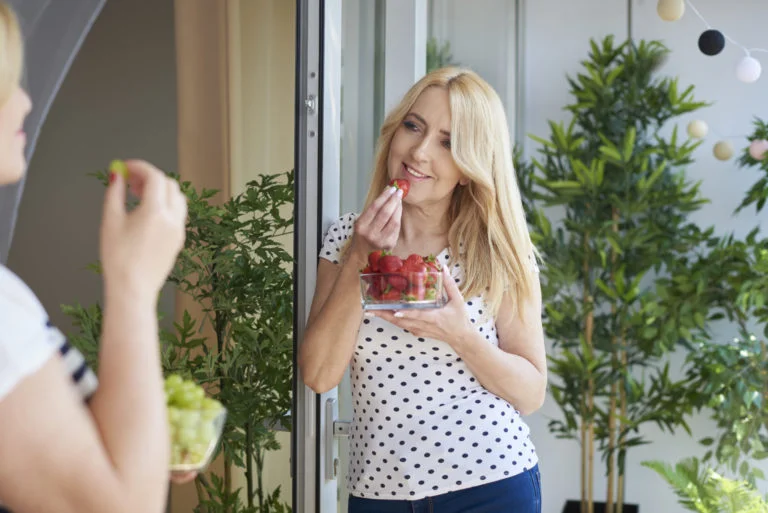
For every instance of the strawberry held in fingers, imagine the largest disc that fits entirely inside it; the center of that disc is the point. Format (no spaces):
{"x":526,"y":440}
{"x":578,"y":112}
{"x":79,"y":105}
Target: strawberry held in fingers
{"x":402,"y":184}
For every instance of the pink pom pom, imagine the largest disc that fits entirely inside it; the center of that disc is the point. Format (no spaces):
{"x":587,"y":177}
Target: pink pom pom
{"x":758,"y":148}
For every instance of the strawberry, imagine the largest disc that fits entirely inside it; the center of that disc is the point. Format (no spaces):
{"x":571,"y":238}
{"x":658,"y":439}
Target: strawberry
{"x":390,"y":264}
{"x":416,"y":273}
{"x":374,"y":287}
{"x":431,"y":261}
{"x":391,"y":295}
{"x":366,"y":270}
{"x":398,"y":281}
{"x":416,"y":293}
{"x":374,"y":257}
{"x":402,"y":184}
{"x":414,"y":259}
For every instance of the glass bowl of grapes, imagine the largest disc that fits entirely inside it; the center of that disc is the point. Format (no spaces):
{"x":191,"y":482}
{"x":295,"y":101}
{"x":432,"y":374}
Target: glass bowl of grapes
{"x":195,"y":423}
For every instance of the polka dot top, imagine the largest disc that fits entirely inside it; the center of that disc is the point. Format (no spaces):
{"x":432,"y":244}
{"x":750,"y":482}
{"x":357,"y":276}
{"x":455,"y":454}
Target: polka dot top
{"x":422,"y":424}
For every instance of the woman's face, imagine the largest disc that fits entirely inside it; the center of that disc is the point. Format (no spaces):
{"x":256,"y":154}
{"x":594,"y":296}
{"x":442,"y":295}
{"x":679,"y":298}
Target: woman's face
{"x":421,"y":150}
{"x":13,"y":140}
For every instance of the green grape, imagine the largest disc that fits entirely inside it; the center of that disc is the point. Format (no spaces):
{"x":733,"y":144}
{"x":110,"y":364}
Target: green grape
{"x":173,"y":382}
{"x":192,"y":421}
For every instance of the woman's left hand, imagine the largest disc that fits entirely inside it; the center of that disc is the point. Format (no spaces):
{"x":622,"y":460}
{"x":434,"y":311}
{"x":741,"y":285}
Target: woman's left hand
{"x":448,"y":323}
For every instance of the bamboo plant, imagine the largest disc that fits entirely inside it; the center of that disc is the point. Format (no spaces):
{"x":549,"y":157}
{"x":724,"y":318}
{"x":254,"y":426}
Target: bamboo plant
{"x":609,"y":206}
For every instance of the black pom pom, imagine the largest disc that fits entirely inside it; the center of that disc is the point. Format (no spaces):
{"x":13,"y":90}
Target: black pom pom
{"x":711,"y":42}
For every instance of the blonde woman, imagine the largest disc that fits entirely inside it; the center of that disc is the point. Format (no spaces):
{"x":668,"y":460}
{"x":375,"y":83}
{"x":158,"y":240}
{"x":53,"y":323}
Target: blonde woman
{"x":68,"y":443}
{"x":438,"y":394}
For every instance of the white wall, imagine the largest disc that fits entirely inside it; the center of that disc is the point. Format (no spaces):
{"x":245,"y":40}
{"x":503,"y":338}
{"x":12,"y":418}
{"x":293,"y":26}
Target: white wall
{"x":557,"y":35}
{"x":482,"y":37}
{"x":118,"y":100}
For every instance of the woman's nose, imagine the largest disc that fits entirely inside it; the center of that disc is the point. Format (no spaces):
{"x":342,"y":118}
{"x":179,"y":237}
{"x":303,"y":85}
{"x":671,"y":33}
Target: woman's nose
{"x":420,"y":150}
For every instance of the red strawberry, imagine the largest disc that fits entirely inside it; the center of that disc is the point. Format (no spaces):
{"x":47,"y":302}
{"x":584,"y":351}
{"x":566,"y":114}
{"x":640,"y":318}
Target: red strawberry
{"x":366,"y":270}
{"x":374,"y":257}
{"x":391,"y":295}
{"x":390,"y":264}
{"x":414,"y":259}
{"x":431,"y":261}
{"x":402,"y":184}
{"x":416,"y":273}
{"x":415,"y":293}
{"x":398,"y":281}
{"x":374,"y":289}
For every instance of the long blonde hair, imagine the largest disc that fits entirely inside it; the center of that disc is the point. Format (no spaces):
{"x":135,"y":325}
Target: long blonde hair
{"x":11,"y":52}
{"x":487,"y":214}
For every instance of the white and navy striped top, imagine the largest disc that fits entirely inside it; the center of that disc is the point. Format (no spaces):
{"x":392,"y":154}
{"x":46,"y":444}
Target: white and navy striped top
{"x":28,"y":340}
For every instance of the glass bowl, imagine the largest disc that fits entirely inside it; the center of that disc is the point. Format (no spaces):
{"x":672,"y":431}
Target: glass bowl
{"x":195,"y":433}
{"x":402,"y":290}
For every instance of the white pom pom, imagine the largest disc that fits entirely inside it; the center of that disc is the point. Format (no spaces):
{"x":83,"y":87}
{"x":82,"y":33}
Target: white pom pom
{"x":749,"y":69}
{"x":698,"y":129}
{"x":670,"y":10}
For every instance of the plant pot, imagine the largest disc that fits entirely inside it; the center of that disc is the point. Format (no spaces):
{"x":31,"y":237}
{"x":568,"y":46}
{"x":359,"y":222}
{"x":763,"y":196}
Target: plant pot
{"x":599,"y":507}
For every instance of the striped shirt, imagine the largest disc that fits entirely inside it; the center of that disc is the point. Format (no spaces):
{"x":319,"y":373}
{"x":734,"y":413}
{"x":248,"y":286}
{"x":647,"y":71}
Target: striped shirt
{"x":28,"y":340}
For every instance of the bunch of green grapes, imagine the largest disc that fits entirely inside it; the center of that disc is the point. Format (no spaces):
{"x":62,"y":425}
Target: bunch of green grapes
{"x":192,"y":419}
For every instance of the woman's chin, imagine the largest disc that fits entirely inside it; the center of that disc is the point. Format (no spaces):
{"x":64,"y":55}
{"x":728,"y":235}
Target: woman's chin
{"x":10,"y":175}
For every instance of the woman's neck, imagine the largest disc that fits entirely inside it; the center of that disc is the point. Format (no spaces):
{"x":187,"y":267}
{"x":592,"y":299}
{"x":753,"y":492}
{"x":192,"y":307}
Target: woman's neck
{"x":425,"y":224}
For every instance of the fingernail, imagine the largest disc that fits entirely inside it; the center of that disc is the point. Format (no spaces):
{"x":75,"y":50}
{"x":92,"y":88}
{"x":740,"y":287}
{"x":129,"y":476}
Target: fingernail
{"x":112,"y":176}
{"x":368,"y":314}
{"x":391,"y":190}
{"x":399,"y":314}
{"x":399,"y":193}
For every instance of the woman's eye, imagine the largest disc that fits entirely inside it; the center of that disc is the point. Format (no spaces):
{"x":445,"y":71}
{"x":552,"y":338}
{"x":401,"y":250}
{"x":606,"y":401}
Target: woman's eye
{"x":410,"y":125}
{"x":447,"y":144}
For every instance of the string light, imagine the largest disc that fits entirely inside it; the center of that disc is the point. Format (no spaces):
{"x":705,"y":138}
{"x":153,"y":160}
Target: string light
{"x":748,"y":70}
{"x":712,"y":41}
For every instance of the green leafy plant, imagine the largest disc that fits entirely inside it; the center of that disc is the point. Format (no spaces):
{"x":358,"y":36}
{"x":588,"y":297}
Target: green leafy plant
{"x":703,"y":490}
{"x":619,"y":186}
{"x":730,"y":380}
{"x":438,"y":56}
{"x":239,"y":343}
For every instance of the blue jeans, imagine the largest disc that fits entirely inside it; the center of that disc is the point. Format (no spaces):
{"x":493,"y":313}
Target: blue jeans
{"x":516,"y":494}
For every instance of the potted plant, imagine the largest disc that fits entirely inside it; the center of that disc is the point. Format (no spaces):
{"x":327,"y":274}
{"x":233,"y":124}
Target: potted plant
{"x":617,"y":205}
{"x":703,"y":490}
{"x":239,"y":343}
{"x":731,"y":379}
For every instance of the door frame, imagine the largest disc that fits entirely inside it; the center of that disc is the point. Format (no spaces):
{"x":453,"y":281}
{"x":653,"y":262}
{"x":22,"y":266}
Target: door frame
{"x":317,"y":173}
{"x":317,"y":196}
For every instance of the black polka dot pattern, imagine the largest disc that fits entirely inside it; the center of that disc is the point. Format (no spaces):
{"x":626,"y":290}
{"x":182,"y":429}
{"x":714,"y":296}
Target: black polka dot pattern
{"x":422,"y":424}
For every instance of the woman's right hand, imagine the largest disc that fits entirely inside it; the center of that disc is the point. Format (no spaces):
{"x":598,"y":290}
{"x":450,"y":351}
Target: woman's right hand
{"x":139,"y":248}
{"x":378,"y":227}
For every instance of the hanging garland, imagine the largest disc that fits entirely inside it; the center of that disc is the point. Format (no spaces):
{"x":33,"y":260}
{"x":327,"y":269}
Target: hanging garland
{"x":712,"y":42}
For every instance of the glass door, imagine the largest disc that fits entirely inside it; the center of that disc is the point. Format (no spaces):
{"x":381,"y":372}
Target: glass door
{"x":356,"y":58}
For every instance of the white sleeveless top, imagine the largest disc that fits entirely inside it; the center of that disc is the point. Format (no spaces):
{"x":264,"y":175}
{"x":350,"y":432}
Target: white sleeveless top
{"x":422,"y":424}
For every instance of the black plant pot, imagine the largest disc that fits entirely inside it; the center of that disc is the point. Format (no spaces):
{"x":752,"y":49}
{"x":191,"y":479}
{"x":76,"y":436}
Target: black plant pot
{"x":575,"y":507}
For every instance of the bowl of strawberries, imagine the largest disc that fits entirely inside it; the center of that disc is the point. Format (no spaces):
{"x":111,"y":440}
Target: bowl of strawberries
{"x":389,"y":282}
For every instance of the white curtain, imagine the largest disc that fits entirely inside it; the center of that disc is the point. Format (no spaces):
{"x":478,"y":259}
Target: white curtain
{"x":53,"y":31}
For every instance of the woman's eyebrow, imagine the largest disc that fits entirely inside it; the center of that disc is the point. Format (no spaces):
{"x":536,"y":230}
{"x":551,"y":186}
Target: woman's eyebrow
{"x":424,"y":122}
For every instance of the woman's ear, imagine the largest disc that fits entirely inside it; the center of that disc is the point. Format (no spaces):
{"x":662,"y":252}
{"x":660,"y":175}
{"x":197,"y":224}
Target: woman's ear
{"x":463,"y":181}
